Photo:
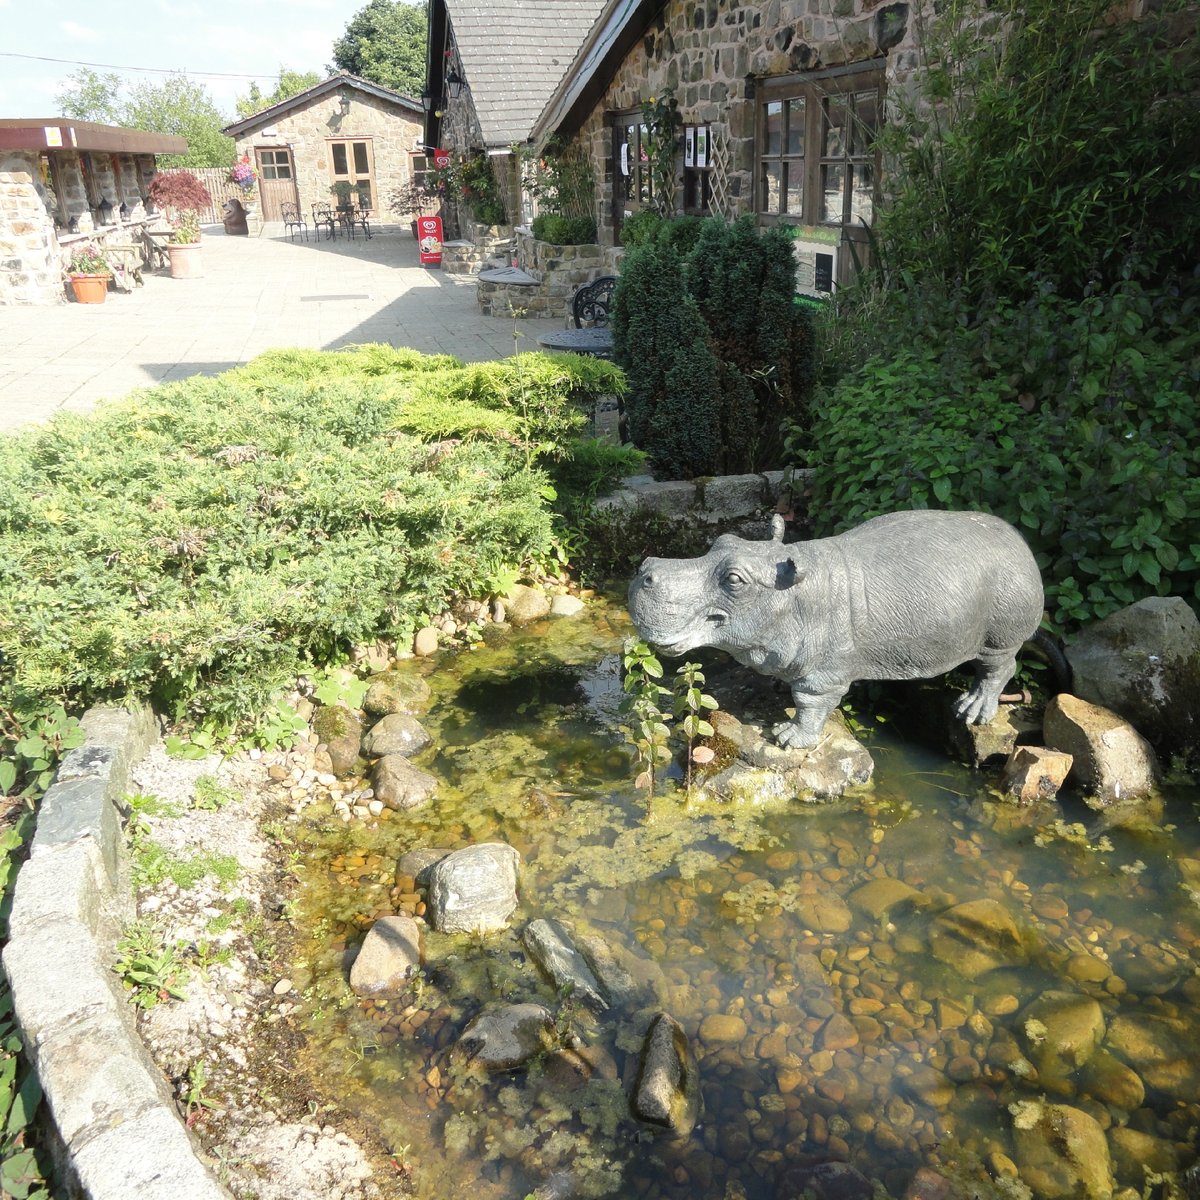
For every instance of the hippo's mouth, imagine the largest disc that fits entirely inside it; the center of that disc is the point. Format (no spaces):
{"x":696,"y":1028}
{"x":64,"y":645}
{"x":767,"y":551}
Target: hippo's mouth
{"x":691,"y":638}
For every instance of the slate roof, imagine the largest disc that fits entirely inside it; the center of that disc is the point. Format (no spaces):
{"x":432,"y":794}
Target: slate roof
{"x":265,"y":116}
{"x":514,"y":53}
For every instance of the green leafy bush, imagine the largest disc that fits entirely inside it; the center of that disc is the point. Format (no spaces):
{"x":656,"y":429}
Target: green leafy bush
{"x":1047,"y":138}
{"x":564,"y":231}
{"x":717,"y":354}
{"x":205,"y":542}
{"x":1073,"y":419}
{"x":647,"y":225}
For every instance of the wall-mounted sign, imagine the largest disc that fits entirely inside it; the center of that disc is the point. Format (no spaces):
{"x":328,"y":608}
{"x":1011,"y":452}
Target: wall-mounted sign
{"x":816,"y":251}
{"x":441,"y":159}
{"x":429,"y":240}
{"x":625,"y":158}
{"x":53,"y":135}
{"x":689,"y":146}
{"x":702,"y":145}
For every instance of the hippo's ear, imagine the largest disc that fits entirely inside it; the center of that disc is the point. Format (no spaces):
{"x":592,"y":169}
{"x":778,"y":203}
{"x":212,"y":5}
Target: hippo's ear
{"x":789,"y":571}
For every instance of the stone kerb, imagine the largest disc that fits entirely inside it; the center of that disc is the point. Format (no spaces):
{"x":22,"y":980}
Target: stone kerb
{"x":716,"y":499}
{"x":118,"y":1125}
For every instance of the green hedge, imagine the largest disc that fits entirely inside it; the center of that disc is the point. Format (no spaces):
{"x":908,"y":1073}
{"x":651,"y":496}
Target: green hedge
{"x":716,"y":353}
{"x":564,"y":231}
{"x":1075,"y":420}
{"x":203,"y":542}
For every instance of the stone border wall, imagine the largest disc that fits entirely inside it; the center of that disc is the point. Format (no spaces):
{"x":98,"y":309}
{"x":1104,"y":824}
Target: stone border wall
{"x":119,"y":1128}
{"x":557,"y":271}
{"x":715,"y":499}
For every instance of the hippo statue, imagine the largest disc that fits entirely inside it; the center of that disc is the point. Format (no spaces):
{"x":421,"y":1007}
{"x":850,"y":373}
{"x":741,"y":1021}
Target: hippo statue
{"x":908,"y":595}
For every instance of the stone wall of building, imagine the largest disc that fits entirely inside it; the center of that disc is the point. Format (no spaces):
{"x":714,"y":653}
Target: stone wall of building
{"x":394,"y":133}
{"x":712,"y":54}
{"x":29,"y":264}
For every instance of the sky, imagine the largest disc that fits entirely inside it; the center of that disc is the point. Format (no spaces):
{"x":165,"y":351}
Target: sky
{"x":239,"y":37}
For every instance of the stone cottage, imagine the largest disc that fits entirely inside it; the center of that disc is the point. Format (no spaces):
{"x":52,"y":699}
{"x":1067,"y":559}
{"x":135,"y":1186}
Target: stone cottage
{"x":344,"y":130}
{"x":780,"y":103}
{"x":63,"y":182}
{"x":491,"y":67}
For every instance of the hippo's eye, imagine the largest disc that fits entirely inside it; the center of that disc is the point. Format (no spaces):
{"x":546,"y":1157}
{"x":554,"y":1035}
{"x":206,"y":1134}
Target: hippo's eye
{"x":734,"y":579}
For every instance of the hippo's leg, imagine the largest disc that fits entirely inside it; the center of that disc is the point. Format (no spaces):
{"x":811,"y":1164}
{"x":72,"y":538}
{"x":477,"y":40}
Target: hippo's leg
{"x":995,"y":668}
{"x":812,"y":711}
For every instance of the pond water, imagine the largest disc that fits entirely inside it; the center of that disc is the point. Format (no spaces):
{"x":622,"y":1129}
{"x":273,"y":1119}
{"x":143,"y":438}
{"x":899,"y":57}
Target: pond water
{"x":834,"y":1011}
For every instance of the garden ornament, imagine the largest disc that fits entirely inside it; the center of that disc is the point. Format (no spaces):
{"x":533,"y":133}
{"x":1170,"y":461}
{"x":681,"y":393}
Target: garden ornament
{"x":908,"y":595}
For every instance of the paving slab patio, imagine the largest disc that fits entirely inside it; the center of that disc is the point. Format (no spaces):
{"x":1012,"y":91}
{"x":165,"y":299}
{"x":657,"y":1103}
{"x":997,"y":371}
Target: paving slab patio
{"x":256,"y":294}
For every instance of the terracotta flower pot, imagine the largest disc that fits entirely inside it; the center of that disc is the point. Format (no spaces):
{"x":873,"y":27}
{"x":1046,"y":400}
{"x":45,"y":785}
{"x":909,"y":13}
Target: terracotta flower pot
{"x":89,"y":289}
{"x":185,"y":260}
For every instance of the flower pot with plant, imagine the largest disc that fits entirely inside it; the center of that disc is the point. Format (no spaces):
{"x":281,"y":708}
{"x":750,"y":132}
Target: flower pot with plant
{"x":180,"y":196}
{"x":89,"y":272}
{"x":343,"y":191}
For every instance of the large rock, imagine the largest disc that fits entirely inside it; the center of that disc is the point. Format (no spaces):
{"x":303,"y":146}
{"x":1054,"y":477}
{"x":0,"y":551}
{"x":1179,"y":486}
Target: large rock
{"x":341,"y":731}
{"x":1107,"y":1079}
{"x":1143,"y":663}
{"x":1162,"y":1050}
{"x":1135,"y":1153}
{"x":551,"y":945}
{"x":1112,"y":761}
{"x":509,"y":1036}
{"x":1062,"y":1030}
{"x":525,"y":604}
{"x":397,"y":733}
{"x":975,"y":937}
{"x":881,"y":897}
{"x":765,"y":772}
{"x":1061,"y":1152}
{"x":668,"y":1087}
{"x":396,"y":692}
{"x":628,"y":981}
{"x":400,"y":785}
{"x":390,"y":953}
{"x":474,"y":890}
{"x":1034,"y":773}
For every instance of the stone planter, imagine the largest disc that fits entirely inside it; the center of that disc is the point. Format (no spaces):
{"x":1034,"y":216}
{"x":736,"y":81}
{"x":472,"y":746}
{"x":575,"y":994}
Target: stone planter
{"x":89,"y":289}
{"x":185,"y":260}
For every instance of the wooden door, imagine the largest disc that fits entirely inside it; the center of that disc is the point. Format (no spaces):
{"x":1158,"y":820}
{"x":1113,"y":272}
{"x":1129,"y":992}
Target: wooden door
{"x":352,"y":162}
{"x":276,"y":180}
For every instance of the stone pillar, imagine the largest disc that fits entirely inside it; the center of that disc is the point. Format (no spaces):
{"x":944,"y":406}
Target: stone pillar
{"x":74,"y":190}
{"x":29,"y":262}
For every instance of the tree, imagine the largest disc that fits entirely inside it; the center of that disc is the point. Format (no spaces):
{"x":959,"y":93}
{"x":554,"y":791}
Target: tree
{"x":290,"y":83}
{"x":385,"y":42}
{"x":179,"y":106}
{"x":91,"y":96}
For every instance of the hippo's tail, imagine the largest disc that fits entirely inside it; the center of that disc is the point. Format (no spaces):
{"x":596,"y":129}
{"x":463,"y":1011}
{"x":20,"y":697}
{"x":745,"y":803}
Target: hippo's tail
{"x":1050,"y":648}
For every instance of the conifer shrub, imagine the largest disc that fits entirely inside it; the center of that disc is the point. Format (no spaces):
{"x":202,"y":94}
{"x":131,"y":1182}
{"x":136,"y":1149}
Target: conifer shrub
{"x":202,"y":543}
{"x":731,"y":360}
{"x":673,"y":402}
{"x":564,"y":231}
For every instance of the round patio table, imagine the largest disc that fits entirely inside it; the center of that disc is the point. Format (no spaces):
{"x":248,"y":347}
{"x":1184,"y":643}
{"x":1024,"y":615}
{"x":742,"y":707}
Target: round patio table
{"x":596,"y":342}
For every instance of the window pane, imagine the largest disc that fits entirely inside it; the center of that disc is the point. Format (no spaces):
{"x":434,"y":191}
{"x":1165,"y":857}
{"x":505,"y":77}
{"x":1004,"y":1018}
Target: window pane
{"x":833,"y":180}
{"x":774,"y":130}
{"x":795,"y":127}
{"x":862,"y":194}
{"x":340,"y":166}
{"x":794,"y":174}
{"x":268,"y":170}
{"x":866,"y":121}
{"x":283,"y":169}
{"x":837,"y":119}
{"x":772,"y":188}
{"x":360,"y":159}
{"x":364,"y":195}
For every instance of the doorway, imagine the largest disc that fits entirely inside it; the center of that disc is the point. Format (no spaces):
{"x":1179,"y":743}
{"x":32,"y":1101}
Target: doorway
{"x":352,"y":161}
{"x":276,"y":180}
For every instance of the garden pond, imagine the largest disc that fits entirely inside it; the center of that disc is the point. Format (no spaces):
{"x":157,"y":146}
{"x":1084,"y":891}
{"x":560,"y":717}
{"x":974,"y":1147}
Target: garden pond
{"x":896,"y":980}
